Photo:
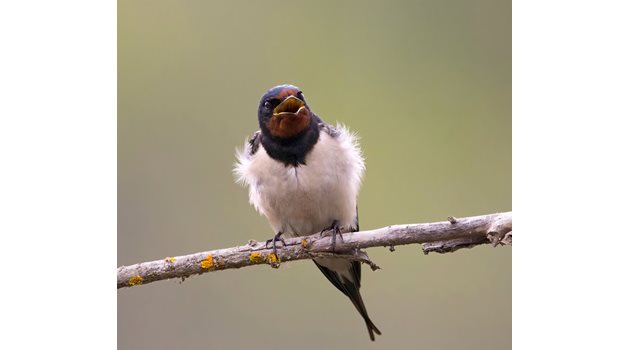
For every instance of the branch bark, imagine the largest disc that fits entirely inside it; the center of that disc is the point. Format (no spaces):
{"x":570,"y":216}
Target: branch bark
{"x":440,"y":237}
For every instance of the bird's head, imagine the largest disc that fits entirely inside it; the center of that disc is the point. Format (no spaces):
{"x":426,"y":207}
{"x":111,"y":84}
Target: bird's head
{"x":283,"y":112}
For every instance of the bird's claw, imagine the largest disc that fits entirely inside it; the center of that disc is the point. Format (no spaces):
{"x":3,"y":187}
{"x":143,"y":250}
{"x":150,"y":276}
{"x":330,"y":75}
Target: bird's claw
{"x":336,"y":230}
{"x":273,"y":242}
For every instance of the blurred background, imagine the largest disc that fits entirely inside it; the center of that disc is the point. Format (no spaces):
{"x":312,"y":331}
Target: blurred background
{"x":426,"y":85}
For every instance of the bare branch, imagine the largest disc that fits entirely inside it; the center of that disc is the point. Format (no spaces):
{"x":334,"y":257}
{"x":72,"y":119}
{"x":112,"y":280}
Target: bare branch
{"x":441,"y":237}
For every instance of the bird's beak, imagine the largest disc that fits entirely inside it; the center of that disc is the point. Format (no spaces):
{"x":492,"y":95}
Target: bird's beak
{"x":290,"y":106}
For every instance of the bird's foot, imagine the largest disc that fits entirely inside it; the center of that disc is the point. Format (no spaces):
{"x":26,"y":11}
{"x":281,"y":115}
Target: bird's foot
{"x":336,"y":230}
{"x":273,"y":242}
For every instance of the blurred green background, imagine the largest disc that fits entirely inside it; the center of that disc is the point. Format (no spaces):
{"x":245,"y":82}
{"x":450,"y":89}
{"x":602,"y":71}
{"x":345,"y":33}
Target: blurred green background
{"x":427,"y":86}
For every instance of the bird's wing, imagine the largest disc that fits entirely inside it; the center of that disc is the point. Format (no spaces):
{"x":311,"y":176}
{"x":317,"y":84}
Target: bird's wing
{"x":253,"y":144}
{"x":329,"y":129}
{"x":244,"y":158}
{"x":356,"y":266}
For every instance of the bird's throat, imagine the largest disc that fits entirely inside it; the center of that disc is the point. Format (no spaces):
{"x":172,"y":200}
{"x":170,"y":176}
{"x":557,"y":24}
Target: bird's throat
{"x":286,"y":125}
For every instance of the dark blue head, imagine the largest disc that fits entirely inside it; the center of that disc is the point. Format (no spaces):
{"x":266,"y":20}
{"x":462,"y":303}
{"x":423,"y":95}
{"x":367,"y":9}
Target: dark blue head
{"x":283,"y":112}
{"x":289,"y":128}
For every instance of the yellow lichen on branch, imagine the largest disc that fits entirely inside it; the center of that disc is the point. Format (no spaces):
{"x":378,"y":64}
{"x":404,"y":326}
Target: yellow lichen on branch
{"x":273,"y":260}
{"x":135,"y":280}
{"x":207,"y":262}
{"x":256,"y":257}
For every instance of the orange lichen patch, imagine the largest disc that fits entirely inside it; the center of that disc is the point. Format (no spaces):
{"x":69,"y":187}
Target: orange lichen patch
{"x":256,"y":257}
{"x":273,"y":260}
{"x":135,"y":280}
{"x":169,"y":259}
{"x":207,"y":262}
{"x":305,"y":243}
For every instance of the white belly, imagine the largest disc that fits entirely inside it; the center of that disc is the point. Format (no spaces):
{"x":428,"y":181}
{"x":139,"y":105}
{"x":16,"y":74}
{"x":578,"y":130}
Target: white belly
{"x":303,"y":200}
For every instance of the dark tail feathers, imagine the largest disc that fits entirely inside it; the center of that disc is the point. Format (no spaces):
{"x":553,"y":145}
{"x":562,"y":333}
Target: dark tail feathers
{"x":351,"y":290}
{"x":357,"y":301}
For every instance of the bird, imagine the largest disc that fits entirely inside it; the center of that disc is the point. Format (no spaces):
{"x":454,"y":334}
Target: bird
{"x":304,"y":175}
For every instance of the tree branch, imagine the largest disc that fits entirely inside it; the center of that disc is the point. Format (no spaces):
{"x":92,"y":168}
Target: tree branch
{"x":440,"y":237}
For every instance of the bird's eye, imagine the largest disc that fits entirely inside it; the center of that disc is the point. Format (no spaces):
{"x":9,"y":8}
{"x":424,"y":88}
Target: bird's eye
{"x":300,"y":95}
{"x":267,"y":104}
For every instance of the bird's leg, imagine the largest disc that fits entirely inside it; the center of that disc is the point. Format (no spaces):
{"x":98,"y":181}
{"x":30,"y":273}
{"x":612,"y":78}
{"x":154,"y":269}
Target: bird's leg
{"x":336,"y":230}
{"x":274,"y":240}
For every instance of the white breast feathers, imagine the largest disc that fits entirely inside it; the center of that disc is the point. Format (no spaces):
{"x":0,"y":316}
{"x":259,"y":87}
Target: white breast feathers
{"x":306,"y":199}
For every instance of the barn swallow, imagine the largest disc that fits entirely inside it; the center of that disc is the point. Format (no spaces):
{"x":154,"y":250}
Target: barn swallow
{"x":304,"y":176}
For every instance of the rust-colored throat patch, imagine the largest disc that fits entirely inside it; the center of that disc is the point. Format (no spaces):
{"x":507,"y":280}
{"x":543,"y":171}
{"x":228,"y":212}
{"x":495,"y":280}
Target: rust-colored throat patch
{"x":289,"y":118}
